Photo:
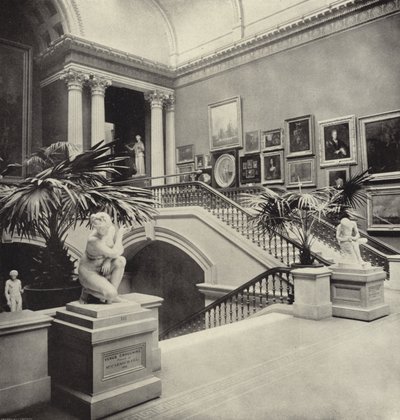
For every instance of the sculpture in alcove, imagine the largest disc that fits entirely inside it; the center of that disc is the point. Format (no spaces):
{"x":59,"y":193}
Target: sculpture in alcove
{"x":138,"y":149}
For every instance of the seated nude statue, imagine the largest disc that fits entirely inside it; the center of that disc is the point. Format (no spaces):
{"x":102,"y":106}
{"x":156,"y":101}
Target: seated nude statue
{"x":349,"y":240}
{"x":102,"y":266}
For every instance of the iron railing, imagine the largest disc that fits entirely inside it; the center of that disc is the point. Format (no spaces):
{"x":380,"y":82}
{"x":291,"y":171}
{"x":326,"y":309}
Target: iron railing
{"x":196,"y":193}
{"x":273,"y":286}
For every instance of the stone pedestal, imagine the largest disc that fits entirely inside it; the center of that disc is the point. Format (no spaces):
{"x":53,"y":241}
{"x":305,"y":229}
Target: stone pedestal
{"x":102,"y":360}
{"x":24,"y":379}
{"x":357,"y":293}
{"x":312,"y":294}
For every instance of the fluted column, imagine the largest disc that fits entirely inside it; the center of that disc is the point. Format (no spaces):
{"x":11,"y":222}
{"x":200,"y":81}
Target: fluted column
{"x":170,"y":137}
{"x":156,"y":100}
{"x":74,"y":80}
{"x":98,"y":86}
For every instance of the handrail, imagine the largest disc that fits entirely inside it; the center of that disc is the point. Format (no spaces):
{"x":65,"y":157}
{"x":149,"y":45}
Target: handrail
{"x":149,"y":178}
{"x":196,"y":193}
{"x":239,"y":303}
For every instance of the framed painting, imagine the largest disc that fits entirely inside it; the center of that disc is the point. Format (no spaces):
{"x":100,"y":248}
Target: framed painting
{"x":250,"y":169}
{"x":380,"y":144}
{"x":272,"y":140}
{"x":225,"y":124}
{"x":199,"y":161}
{"x":184,"y":170}
{"x":300,"y":136}
{"x":252,"y":142}
{"x":337,"y":141}
{"x":207,"y":161}
{"x":337,"y":177}
{"x":224,"y":170}
{"x":185,"y":154}
{"x":383,"y":211}
{"x":15,"y":85}
{"x":273,"y":169}
{"x":301,"y":173}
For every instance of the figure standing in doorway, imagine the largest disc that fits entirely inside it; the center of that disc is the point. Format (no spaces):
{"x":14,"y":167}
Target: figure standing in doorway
{"x":138,"y":149}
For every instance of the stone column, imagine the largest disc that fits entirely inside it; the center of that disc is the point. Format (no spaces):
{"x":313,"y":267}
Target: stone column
{"x":170,"y":138}
{"x":156,"y":100}
{"x":74,"y":80}
{"x":98,"y":86}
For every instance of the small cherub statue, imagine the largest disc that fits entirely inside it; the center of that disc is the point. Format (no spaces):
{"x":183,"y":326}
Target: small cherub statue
{"x":348,"y":236}
{"x":13,"y":291}
{"x":102,"y":266}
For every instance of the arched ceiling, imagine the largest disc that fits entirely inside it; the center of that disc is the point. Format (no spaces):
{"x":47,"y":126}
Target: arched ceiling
{"x":171,"y":32}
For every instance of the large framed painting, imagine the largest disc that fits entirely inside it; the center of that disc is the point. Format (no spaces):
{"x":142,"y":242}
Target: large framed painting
{"x":383,"y":209}
{"x":301,"y":173}
{"x":337,"y":140}
{"x":225,"y":124}
{"x":15,"y":82}
{"x":252,"y":142}
{"x":380,"y":141}
{"x":272,"y":140}
{"x":185,"y":154}
{"x":250,"y":169}
{"x":336,"y":177}
{"x":300,"y":136}
{"x":273,"y":169}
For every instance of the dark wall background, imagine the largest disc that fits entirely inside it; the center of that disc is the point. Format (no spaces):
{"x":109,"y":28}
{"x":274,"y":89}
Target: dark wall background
{"x":351,"y":73}
{"x":163,"y":270}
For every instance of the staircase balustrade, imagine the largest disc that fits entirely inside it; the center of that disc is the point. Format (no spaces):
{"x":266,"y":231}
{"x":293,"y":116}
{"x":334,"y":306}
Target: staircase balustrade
{"x":273,"y":286}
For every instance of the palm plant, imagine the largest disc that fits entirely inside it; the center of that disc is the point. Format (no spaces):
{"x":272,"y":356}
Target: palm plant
{"x":62,"y":193}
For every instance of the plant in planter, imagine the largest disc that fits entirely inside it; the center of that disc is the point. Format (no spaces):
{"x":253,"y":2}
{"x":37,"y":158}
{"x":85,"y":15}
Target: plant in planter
{"x":61,"y":193}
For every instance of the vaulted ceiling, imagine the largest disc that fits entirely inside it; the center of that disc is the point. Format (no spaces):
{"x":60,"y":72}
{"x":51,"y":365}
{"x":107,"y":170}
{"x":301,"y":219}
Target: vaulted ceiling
{"x":171,"y":32}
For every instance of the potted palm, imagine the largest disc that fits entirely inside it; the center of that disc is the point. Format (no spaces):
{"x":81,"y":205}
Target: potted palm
{"x":60,"y":193}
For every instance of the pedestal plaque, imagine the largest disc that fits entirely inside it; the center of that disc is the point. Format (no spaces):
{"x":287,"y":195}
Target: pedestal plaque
{"x":102,"y":358}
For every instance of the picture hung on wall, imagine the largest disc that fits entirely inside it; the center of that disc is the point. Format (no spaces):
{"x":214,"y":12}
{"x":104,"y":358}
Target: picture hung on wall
{"x":301,"y":172}
{"x":272,"y":140}
{"x":299,"y":136}
{"x":182,"y":169}
{"x":337,"y":177}
{"x":273,"y":169}
{"x":207,"y":161}
{"x":250,"y":169}
{"x":199,"y":161}
{"x":380,"y":141}
{"x":15,"y":72}
{"x":185,"y":154}
{"x":383,"y":209}
{"x":337,"y":141}
{"x":252,"y":142}
{"x":225,"y":170}
{"x":225,"y":124}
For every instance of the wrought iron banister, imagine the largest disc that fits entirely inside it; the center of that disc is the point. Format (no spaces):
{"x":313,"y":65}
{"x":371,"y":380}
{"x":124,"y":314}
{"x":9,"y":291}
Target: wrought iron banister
{"x":273,"y":286}
{"x":196,"y":193}
{"x":236,"y":194}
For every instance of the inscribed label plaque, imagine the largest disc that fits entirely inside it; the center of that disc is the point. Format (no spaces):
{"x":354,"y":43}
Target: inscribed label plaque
{"x":124,"y":361}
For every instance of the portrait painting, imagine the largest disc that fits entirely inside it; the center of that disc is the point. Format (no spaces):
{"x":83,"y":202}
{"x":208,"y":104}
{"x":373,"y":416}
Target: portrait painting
{"x":199,"y":162}
{"x":250,"y":169}
{"x":337,"y":177}
{"x":380,"y":140}
{"x":252,"y":142}
{"x":225,"y":127}
{"x":273,"y":168}
{"x":272,"y":140}
{"x":185,"y":170}
{"x":299,"y":136}
{"x":337,"y":141}
{"x":384,"y":209}
{"x":185,"y":154}
{"x":225,"y":170}
{"x":301,"y":172}
{"x":14,"y":105}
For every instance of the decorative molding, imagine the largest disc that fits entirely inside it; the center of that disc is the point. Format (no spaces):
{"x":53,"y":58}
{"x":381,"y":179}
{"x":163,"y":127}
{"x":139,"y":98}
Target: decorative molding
{"x":156,"y":98}
{"x":73,"y":78}
{"x":170,"y":102}
{"x":97,"y":84}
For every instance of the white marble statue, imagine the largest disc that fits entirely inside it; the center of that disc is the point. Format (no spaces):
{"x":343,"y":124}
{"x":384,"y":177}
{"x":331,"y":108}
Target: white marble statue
{"x":102,"y":266}
{"x":138,"y":148}
{"x":348,"y":236}
{"x":13,"y":291}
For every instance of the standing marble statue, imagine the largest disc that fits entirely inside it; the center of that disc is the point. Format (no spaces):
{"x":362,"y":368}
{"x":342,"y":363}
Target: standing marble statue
{"x":138,"y":148}
{"x":13,"y":292}
{"x":102,"y":266}
{"x":348,"y":236}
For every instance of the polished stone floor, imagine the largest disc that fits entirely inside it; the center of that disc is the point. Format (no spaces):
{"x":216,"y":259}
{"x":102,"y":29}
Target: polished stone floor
{"x":279,"y":367}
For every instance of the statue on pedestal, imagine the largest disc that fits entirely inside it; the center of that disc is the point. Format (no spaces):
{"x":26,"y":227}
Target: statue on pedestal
{"x":13,"y":291}
{"x":102,"y":266}
{"x":348,"y":236}
{"x":138,"y":148}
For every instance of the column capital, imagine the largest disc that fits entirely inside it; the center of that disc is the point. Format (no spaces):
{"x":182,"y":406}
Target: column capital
{"x":156,"y":98}
{"x":73,"y":78}
{"x":97,"y":84}
{"x":170,"y":102}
